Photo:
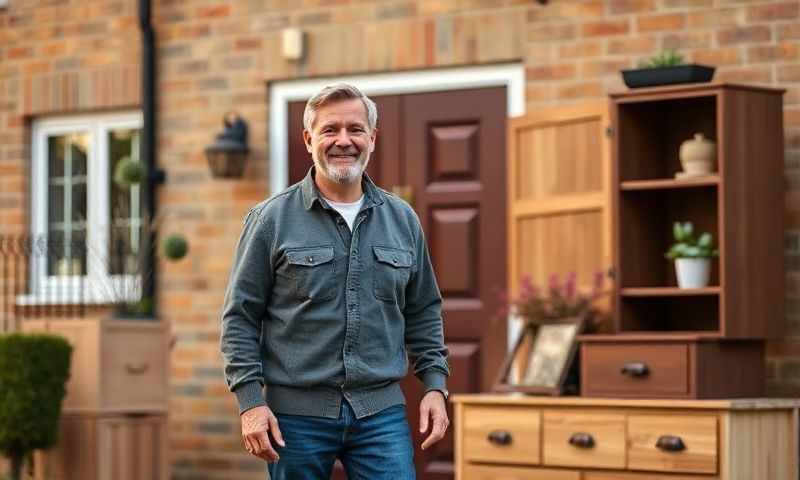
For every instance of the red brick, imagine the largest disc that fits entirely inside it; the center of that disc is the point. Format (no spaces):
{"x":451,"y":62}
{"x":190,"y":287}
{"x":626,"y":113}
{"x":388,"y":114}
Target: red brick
{"x":759,"y":33}
{"x":630,"y":6}
{"x":580,"y":90}
{"x":604,"y":67}
{"x":788,"y":31}
{"x":248,"y":43}
{"x":687,"y":3}
{"x":635,"y":45}
{"x":539,"y":93}
{"x":551,"y":32}
{"x":774,"y":11}
{"x":212,"y":11}
{"x":791,"y":118}
{"x":759,"y":74}
{"x":15,"y":53}
{"x":679,"y":41}
{"x":789,"y":73}
{"x":604,"y":28}
{"x":550,"y":72}
{"x":582,"y":49}
{"x":717,"y":56}
{"x":724,"y":17}
{"x":772,"y":53}
{"x":660,"y":22}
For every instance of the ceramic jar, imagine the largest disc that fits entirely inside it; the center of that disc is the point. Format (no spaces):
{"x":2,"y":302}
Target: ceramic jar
{"x":697,"y":155}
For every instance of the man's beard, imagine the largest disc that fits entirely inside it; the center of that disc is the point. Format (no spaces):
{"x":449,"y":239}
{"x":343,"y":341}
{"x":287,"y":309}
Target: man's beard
{"x":343,"y":174}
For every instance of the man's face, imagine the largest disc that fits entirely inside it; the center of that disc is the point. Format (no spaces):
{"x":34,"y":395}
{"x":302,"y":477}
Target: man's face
{"x":340,"y":140}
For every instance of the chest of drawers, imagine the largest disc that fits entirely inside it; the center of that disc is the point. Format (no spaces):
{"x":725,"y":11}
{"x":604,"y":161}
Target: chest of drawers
{"x":510,"y":437}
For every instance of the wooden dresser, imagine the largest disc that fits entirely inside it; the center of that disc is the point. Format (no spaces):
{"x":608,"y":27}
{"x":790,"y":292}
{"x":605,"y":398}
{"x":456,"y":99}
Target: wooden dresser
{"x":514,"y":437}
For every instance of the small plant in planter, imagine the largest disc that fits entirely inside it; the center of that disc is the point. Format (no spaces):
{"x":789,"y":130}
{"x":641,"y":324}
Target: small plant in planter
{"x":129,"y":172}
{"x":692,"y":255}
{"x":34,"y":369}
{"x":666,"y":68}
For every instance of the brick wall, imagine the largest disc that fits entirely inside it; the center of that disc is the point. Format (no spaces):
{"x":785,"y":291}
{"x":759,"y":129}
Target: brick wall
{"x":216,"y":56}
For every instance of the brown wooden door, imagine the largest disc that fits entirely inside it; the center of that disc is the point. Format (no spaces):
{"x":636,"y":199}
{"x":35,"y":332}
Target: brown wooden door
{"x":559,"y":194}
{"x":449,"y":148}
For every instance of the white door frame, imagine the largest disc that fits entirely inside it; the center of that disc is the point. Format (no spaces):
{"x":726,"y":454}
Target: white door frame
{"x":511,"y":76}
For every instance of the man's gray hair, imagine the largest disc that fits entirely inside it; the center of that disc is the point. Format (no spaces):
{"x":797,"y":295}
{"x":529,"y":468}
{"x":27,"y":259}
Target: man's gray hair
{"x":334,"y":93}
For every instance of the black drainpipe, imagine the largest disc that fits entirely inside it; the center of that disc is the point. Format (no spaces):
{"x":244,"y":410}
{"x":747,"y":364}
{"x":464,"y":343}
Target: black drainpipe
{"x":155,"y":176}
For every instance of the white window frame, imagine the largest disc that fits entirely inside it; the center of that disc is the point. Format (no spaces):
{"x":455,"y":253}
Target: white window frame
{"x":96,"y":285}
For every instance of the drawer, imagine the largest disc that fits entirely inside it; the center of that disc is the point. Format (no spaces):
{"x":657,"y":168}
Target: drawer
{"x":501,"y":434}
{"x":635,"y":370}
{"x":673,"y":443}
{"x":117,"y":365}
{"x":577,"y":439}
{"x":485,"y":472}
{"x":134,"y":368}
{"x":641,"y":476}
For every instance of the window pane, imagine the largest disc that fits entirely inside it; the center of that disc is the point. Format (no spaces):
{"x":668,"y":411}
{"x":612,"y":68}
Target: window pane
{"x":55,"y":209}
{"x":79,"y":151}
{"x":79,"y":213}
{"x":67,"y":203}
{"x":125,"y":224}
{"x":55,"y":155}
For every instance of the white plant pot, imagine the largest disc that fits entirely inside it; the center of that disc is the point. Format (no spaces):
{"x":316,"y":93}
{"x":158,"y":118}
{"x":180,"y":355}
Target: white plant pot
{"x":692,"y":272}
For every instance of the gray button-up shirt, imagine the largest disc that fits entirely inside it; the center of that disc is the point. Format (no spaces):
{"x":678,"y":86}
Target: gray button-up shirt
{"x":316,"y":313}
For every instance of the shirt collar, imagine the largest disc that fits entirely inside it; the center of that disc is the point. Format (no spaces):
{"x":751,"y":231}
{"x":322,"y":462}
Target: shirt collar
{"x":372,"y":194}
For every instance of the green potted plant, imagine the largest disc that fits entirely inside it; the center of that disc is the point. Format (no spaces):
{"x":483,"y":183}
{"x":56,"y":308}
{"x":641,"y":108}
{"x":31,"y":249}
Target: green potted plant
{"x":666,"y":68}
{"x":34,"y":369}
{"x":692,"y":255}
{"x":129,"y":172}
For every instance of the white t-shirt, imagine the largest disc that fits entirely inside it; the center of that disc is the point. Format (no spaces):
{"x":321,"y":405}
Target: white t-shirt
{"x":347,"y":210}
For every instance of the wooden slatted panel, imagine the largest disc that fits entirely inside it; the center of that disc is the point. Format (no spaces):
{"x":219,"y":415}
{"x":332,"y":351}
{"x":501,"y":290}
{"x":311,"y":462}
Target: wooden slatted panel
{"x":559,"y":198}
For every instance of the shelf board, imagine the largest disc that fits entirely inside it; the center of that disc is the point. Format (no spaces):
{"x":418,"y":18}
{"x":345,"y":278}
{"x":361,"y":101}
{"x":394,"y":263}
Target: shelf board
{"x":670,"y":183}
{"x":668,"y":292}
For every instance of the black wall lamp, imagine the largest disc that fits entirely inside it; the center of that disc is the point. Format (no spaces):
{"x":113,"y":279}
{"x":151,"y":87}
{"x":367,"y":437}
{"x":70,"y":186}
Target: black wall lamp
{"x":228,"y":154}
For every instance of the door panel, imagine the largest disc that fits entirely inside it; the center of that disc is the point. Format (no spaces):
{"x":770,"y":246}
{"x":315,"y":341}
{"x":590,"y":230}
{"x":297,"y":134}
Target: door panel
{"x":449,"y":148}
{"x":559,"y":195}
{"x":454,"y":160}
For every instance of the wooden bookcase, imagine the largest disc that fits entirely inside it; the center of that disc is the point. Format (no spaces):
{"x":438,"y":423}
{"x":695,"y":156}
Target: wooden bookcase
{"x":741,"y":204}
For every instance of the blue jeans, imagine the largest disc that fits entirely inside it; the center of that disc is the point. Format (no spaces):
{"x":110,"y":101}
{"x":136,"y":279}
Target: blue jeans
{"x":372,"y":448}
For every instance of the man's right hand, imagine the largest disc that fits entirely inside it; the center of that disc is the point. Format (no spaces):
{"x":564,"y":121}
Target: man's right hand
{"x":256,"y":422}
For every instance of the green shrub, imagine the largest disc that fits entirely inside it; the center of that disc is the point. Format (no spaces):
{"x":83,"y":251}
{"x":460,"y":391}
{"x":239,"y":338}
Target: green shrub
{"x":34,"y":369}
{"x":175,"y":247}
{"x":129,"y":172}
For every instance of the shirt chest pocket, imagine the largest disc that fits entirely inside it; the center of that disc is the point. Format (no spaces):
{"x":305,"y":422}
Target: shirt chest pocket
{"x":312,"y":271}
{"x":391,"y":274}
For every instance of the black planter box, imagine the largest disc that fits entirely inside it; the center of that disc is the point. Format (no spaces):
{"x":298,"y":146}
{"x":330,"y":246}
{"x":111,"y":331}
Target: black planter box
{"x":652,"y":77}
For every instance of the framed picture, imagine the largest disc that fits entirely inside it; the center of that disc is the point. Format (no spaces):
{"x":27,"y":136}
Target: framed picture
{"x":541,"y":358}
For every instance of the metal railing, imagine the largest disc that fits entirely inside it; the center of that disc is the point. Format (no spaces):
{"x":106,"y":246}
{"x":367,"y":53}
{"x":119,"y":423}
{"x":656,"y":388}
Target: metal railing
{"x":45,"y":278}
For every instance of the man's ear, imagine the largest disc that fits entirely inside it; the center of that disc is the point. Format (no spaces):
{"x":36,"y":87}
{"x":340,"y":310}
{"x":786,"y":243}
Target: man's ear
{"x":373,"y":136}
{"x":307,"y":140}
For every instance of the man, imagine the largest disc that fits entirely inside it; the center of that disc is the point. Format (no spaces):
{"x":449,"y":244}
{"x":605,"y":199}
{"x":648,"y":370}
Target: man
{"x":331,"y":289}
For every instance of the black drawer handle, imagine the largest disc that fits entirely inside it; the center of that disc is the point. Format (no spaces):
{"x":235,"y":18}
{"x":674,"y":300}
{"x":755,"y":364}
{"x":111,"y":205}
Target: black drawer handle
{"x":669,"y":443}
{"x":635,"y":369}
{"x":581,"y":440}
{"x":500,"y":437}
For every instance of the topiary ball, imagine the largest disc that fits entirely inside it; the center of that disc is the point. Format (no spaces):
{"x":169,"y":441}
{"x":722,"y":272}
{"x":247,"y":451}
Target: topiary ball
{"x":175,"y":246}
{"x":129,"y":172}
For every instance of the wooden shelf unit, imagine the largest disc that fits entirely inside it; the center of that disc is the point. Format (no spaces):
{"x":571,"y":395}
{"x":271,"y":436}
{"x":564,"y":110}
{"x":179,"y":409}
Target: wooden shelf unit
{"x":737,"y":205}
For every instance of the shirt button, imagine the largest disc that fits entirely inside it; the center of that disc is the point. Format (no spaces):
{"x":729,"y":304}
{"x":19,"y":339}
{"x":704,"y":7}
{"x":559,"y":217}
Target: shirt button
{"x":395,"y":260}
{"x":310,"y":259}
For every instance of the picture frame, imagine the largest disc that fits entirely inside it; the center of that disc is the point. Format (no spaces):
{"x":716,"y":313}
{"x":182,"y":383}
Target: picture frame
{"x":542,"y":358}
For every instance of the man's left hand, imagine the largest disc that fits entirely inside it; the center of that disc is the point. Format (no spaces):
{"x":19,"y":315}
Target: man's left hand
{"x":432,"y":409}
